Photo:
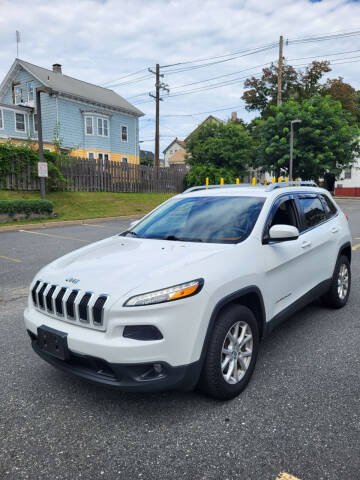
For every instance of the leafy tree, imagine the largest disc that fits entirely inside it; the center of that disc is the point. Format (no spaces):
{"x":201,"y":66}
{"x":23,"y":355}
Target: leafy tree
{"x":198,"y":173}
{"x":261,"y":93}
{"x":228,"y":146}
{"x":326,"y":142}
{"x":345,"y":93}
{"x":147,"y":160}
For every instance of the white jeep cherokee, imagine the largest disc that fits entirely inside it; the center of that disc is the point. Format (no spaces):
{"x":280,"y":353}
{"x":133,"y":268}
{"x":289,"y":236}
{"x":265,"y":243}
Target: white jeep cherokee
{"x":184,"y":297}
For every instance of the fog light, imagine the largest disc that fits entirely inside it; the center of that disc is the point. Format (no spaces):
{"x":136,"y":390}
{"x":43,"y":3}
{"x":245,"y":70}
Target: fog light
{"x":157,"y":367}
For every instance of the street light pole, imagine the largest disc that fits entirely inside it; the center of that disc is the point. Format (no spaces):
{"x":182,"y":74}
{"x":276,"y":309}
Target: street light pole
{"x":292,"y":147}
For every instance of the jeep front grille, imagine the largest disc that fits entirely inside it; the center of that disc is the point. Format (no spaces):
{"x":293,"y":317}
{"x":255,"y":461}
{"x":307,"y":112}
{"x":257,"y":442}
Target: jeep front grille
{"x":72,"y":305}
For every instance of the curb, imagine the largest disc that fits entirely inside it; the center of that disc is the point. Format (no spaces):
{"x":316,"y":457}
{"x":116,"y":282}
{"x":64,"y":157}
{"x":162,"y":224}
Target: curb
{"x":64,"y":223}
{"x":346,"y":198}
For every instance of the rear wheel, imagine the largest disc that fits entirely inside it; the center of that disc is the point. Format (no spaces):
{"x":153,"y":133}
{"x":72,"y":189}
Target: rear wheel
{"x":338,"y":294}
{"x":232,"y":353}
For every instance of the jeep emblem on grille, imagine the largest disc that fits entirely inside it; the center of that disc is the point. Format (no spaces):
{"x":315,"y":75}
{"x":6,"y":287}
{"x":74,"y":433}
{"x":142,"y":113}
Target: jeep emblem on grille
{"x":72,"y":280}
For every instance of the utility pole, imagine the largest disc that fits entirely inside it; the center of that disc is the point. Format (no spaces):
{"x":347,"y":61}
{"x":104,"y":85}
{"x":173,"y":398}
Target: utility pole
{"x":158,"y":87}
{"x":292,"y":147}
{"x":280,"y":71}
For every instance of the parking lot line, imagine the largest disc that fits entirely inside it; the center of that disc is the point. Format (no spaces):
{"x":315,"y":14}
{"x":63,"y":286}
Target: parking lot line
{"x":355,"y":247}
{"x":54,"y":236}
{"x":16,"y":260}
{"x":286,"y":476}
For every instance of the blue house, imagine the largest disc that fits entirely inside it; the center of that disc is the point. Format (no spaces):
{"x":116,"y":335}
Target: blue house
{"x":91,"y":121}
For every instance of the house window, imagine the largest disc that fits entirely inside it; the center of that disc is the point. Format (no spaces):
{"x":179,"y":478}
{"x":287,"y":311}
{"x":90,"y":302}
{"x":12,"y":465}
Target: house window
{"x":103,"y":156}
{"x":35,"y":122}
{"x":19,"y":122}
{"x":17,"y":94}
{"x":124,"y":133}
{"x":30,"y":91}
{"x":347,"y":173}
{"x":91,"y":155}
{"x":124,"y":160}
{"x":89,"y":130}
{"x":103,"y":127}
{"x":1,"y":120}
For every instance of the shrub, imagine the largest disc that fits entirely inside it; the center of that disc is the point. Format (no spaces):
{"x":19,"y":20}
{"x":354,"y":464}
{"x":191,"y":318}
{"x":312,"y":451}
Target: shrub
{"x":198,"y":173}
{"x":12,"y":207}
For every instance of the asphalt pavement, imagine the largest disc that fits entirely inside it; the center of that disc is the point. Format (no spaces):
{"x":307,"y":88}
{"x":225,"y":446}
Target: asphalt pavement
{"x":300,"y":413}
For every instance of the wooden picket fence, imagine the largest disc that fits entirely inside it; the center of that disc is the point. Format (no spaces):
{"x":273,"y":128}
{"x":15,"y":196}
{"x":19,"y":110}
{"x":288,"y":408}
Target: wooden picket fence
{"x":91,"y":175}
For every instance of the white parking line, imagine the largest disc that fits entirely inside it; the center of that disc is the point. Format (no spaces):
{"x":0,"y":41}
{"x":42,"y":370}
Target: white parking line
{"x":54,"y":236}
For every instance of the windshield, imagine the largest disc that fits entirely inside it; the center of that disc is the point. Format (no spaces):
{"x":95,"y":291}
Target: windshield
{"x":201,"y":219}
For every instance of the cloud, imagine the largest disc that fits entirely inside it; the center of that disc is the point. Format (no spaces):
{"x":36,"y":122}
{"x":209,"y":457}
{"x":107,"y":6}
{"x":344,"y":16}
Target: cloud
{"x":101,"y":41}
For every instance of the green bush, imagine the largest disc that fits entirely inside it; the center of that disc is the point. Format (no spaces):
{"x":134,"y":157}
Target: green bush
{"x":12,"y":207}
{"x":17,"y":159}
{"x":198,"y":173}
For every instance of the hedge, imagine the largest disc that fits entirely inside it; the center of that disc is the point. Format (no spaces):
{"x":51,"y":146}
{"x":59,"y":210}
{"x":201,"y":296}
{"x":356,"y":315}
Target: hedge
{"x":12,"y":207}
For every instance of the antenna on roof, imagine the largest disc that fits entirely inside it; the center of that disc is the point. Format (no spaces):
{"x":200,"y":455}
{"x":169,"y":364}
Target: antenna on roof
{"x":17,"y":43}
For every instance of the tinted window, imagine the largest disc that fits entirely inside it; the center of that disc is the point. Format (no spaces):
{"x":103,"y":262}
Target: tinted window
{"x":313,"y":211}
{"x":330,"y":208}
{"x":202,"y":219}
{"x":285,"y":214}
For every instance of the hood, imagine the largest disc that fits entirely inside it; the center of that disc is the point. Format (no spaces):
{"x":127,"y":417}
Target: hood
{"x":118,"y":265}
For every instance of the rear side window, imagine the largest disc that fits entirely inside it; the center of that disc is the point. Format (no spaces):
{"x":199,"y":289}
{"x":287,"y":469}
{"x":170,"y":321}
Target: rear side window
{"x":330,"y":208}
{"x":313,"y":211}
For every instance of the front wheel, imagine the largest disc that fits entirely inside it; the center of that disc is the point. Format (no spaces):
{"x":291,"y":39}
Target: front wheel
{"x":231,"y":354}
{"x":338,"y":294}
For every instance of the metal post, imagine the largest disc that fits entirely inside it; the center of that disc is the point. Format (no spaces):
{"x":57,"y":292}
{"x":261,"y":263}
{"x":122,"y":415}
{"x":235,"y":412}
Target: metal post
{"x":292,"y":147}
{"x":280,"y":72}
{"x":40,"y":140}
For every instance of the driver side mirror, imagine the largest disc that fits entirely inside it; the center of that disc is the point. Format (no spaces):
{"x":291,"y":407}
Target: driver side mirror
{"x":283,"y":233}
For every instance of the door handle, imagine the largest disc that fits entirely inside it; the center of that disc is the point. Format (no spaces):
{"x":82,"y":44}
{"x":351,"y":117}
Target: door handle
{"x":335,"y":229}
{"x":305,"y":244}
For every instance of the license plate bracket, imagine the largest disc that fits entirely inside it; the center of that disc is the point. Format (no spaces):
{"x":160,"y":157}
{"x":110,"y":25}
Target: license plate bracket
{"x":53,"y":342}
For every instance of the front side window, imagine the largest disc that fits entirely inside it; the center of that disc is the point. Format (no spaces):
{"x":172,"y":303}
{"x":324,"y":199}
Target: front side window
{"x":124,"y":133}
{"x":89,"y":126}
{"x":17,"y":94}
{"x":20,"y":122}
{"x":30,"y":91}
{"x":285,"y":214}
{"x":1,"y":119}
{"x":202,"y":219}
{"x":313,"y":211}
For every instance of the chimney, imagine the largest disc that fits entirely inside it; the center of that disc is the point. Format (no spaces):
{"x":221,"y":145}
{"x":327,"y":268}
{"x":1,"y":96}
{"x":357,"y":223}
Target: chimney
{"x":57,"y":68}
{"x":234,"y":117}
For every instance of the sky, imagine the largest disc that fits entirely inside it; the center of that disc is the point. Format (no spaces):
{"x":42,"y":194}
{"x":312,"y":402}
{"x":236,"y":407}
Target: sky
{"x":103,"y":41}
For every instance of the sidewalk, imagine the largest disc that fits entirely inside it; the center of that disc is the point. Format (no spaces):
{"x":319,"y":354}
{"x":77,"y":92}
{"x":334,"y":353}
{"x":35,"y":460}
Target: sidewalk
{"x":64,"y":223}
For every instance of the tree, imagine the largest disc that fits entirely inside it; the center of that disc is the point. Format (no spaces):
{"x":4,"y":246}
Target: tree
{"x":223,"y":145}
{"x":345,"y":93}
{"x":147,"y":160}
{"x":326,"y":142}
{"x":262,"y":93}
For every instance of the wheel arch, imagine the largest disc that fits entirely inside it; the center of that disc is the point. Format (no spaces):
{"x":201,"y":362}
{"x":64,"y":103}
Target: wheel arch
{"x":345,"y":250}
{"x":250,"y":297}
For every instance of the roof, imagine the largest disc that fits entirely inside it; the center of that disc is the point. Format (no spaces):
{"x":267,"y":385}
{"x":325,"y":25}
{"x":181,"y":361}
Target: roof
{"x":72,"y":87}
{"x":176,"y":140}
{"x":209,"y":118}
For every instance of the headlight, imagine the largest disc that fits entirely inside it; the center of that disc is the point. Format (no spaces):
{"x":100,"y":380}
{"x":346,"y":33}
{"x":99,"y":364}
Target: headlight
{"x":166,"y":294}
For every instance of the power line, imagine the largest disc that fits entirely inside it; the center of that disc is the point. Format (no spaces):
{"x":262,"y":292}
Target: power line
{"x":125,"y":76}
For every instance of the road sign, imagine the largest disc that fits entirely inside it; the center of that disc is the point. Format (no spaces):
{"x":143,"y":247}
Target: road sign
{"x":42,"y":169}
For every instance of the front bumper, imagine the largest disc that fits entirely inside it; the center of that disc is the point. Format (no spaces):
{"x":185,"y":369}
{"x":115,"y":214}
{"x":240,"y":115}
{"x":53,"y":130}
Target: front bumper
{"x":129,"y":377}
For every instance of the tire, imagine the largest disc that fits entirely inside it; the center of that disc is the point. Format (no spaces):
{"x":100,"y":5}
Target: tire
{"x":213,"y":381}
{"x":338,"y":294}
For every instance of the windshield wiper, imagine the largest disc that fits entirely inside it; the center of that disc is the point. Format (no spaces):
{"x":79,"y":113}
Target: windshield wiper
{"x":174,"y":237}
{"x":128,"y":232}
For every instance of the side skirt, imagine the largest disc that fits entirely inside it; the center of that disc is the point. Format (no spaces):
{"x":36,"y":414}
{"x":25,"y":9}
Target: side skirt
{"x":309,"y":297}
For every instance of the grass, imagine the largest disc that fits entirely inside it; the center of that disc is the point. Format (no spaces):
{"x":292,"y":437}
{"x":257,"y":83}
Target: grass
{"x":83,"y":205}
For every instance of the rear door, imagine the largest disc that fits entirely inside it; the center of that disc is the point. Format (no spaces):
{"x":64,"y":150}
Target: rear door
{"x":317,"y":239}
